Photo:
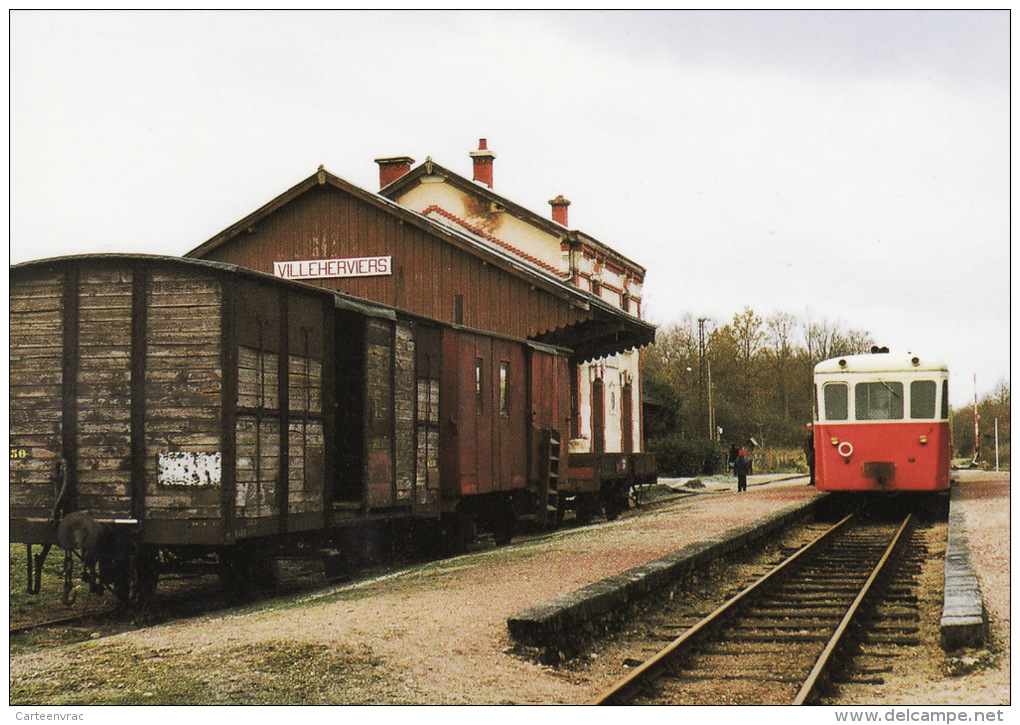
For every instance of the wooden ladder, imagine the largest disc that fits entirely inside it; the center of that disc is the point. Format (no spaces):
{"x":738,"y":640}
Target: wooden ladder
{"x":549,"y":490}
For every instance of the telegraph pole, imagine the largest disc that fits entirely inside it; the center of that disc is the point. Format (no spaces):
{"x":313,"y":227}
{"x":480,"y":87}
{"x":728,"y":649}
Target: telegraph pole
{"x":701,"y":372}
{"x":977,"y":440}
{"x":711,"y":409}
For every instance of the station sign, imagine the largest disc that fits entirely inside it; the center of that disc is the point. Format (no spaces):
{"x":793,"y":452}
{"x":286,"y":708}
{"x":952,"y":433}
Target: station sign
{"x":326,"y":268}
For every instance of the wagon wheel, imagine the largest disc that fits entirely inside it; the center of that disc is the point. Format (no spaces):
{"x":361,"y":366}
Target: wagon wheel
{"x":584,"y":508}
{"x":561,"y":510}
{"x":615,"y":501}
{"x":634,"y":495}
{"x":245,"y":571}
{"x":134,"y":578}
{"x":505,"y":524}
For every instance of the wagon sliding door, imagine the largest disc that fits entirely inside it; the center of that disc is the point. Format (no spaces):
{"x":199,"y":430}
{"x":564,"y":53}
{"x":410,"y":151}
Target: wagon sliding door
{"x":485,"y":382}
{"x":428,"y":375}
{"x":279,"y":429}
{"x":306,"y":453}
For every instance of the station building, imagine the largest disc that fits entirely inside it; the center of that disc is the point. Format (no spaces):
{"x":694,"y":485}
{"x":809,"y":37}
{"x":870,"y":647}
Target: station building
{"x":434,"y":243}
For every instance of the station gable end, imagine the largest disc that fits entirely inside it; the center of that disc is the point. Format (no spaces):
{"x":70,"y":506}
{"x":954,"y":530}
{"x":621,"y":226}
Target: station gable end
{"x":428,"y":274}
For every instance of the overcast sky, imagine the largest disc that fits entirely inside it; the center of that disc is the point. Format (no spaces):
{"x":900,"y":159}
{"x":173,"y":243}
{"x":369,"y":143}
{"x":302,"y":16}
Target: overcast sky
{"x":849,"y":166}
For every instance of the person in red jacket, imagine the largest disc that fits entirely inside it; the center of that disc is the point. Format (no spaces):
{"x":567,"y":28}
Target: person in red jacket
{"x":742,"y":468}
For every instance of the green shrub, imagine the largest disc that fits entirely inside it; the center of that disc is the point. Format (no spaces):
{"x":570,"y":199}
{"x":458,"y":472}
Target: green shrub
{"x":682,"y":458}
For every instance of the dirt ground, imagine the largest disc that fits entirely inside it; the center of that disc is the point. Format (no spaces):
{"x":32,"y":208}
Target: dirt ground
{"x":436,"y":634}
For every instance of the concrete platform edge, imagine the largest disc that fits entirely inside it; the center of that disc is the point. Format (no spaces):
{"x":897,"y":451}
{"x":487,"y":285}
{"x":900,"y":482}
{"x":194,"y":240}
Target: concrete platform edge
{"x":964,"y":619}
{"x":562,"y":623}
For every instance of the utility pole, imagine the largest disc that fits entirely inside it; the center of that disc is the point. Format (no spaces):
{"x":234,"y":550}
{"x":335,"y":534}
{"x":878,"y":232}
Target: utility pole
{"x":711,"y":409}
{"x":977,"y":440}
{"x":996,"y":445}
{"x":701,"y":372}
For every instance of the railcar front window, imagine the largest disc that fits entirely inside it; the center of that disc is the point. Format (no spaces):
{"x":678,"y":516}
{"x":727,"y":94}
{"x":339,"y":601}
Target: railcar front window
{"x":945,"y":400}
{"x":922,"y":399}
{"x":835,"y":397}
{"x":878,"y":401}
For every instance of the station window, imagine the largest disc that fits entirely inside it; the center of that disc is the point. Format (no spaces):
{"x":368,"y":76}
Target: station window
{"x":922,"y":399}
{"x":504,"y":398}
{"x":878,"y":401}
{"x":835,"y":397}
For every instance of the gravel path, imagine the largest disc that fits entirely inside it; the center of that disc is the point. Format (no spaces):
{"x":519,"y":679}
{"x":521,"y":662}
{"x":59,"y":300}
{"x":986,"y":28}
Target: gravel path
{"x":436,"y":634}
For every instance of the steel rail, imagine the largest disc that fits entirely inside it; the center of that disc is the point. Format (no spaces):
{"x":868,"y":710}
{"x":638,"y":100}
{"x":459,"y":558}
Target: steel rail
{"x":823,"y":659}
{"x":627,"y":688}
{"x":73,"y":619}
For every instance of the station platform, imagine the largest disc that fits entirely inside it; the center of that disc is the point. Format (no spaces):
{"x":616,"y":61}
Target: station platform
{"x":979,"y":502}
{"x":651,"y":551}
{"x":727,"y":520}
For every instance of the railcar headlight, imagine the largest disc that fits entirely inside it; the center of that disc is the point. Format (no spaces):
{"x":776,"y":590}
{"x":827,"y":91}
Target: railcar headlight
{"x":923,"y":439}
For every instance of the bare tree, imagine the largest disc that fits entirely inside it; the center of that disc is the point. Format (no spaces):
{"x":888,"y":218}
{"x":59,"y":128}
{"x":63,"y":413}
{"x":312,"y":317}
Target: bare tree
{"x":780,"y":327}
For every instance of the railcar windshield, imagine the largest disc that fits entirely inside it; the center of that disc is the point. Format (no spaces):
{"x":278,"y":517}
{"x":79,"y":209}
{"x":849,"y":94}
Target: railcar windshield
{"x":835,"y":398}
{"x":878,"y":401}
{"x":922,"y":399}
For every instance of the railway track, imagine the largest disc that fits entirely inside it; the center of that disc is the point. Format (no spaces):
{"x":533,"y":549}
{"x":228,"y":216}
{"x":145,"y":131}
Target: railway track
{"x":777,"y":640}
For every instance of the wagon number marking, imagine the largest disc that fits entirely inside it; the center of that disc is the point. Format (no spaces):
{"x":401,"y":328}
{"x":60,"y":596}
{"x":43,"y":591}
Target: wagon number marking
{"x":18,"y":454}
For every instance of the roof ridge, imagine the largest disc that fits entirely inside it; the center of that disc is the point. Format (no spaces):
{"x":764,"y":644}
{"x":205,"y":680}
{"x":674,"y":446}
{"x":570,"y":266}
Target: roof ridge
{"x":495,"y":240}
{"x":429,"y":166}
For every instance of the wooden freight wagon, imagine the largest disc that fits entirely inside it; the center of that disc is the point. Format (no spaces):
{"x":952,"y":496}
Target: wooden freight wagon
{"x":171,"y":404}
{"x":504,"y":406}
{"x":163,"y":410}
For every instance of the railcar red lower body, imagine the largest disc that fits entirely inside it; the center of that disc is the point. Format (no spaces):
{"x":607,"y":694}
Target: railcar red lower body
{"x":911,"y":456}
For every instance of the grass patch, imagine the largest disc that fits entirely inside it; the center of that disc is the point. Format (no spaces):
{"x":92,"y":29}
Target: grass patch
{"x":270,"y":673}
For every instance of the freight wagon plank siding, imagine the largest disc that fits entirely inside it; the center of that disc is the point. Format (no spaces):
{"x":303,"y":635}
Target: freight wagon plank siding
{"x":36,"y":374}
{"x":379,"y":370}
{"x":514,"y":417}
{"x":405,"y":392}
{"x":306,"y":435}
{"x":550,"y":405}
{"x":307,"y":446}
{"x":258,"y":461}
{"x":428,"y":372}
{"x":104,"y":390}
{"x":183,"y":333}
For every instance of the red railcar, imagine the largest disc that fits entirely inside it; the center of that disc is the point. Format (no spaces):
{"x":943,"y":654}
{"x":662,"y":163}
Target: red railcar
{"x":882,"y":424}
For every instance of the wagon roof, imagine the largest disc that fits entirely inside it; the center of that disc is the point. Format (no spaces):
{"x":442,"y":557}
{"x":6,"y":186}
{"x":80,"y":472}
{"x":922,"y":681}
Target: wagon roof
{"x":340,"y":299}
{"x":879,"y":363}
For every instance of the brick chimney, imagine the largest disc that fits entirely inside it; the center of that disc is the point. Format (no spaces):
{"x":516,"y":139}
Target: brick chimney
{"x":392,"y":169}
{"x":559,"y":209}
{"x":483,"y":163}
